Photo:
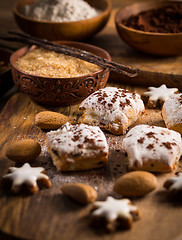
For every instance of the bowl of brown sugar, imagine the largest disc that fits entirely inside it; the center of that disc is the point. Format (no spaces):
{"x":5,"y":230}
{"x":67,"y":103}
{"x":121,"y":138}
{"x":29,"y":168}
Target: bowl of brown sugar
{"x":152,"y":27}
{"x":56,"y":79}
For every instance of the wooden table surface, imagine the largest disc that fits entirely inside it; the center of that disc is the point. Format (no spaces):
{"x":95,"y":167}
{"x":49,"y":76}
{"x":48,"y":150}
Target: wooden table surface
{"x":49,"y":215}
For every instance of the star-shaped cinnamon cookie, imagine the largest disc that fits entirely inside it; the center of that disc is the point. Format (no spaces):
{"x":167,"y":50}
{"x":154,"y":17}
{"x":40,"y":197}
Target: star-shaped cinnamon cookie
{"x":156,"y":96}
{"x":114,"y":214}
{"x":26,"y":179}
{"x":174,"y":184}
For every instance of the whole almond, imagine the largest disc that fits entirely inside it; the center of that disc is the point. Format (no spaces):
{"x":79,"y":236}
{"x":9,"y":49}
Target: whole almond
{"x":50,"y":120}
{"x":80,"y":192}
{"x":136,"y":183}
{"x":23,"y":151}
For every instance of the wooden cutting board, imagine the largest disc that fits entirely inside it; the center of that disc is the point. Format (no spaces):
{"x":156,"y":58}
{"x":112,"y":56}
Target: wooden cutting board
{"x":50,"y":215}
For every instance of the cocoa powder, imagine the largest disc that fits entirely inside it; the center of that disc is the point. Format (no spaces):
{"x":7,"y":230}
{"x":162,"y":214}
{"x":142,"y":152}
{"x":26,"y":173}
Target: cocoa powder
{"x":163,"y":20}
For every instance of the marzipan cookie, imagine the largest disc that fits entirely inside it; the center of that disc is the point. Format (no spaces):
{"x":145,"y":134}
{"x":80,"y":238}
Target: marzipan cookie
{"x":112,"y":109}
{"x":172,"y":113}
{"x":77,"y":147}
{"x":152,"y":148}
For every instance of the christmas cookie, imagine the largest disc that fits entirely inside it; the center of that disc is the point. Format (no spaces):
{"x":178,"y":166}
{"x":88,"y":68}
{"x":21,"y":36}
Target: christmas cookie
{"x":77,"y":147}
{"x":155,"y":97}
{"x":26,"y":179}
{"x":112,"y":109}
{"x":113,"y":214}
{"x":174,"y":184}
{"x":172,"y":112}
{"x":152,"y":148}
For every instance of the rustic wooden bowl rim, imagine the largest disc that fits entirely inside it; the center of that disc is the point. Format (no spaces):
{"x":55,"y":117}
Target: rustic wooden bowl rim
{"x":14,"y":58}
{"x":119,"y":23}
{"x":9,"y":53}
{"x":102,"y":14}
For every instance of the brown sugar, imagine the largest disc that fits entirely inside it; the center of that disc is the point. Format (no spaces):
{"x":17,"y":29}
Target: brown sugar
{"x":163,"y":20}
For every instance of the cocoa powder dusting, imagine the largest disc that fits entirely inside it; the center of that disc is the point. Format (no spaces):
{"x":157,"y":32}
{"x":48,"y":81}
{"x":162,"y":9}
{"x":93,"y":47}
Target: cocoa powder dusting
{"x":150,"y":146}
{"x":141,"y":140}
{"x":163,"y":20}
{"x":167,"y":145}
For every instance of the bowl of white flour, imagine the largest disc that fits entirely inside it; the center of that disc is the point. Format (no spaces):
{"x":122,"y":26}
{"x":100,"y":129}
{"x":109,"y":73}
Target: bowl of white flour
{"x":62,"y":19}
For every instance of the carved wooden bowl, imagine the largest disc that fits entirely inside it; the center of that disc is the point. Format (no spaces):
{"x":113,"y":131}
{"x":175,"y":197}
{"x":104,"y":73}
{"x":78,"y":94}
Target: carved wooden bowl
{"x":60,"y":91}
{"x":74,"y":31}
{"x":161,"y":44}
{"x":6,"y":81}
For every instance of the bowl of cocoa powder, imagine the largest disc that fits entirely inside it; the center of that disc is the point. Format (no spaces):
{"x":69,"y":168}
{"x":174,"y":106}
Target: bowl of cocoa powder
{"x":152,"y":27}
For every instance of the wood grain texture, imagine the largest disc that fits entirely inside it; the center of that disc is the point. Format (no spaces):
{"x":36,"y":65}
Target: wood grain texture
{"x":49,"y":214}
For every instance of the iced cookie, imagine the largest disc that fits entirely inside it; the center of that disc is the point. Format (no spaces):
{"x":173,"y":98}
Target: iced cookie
{"x":112,"y":109}
{"x":155,"y":97}
{"x":77,"y":147}
{"x":113,"y":214}
{"x":26,"y":179}
{"x":174,"y":185}
{"x":172,"y":112}
{"x":152,"y":148}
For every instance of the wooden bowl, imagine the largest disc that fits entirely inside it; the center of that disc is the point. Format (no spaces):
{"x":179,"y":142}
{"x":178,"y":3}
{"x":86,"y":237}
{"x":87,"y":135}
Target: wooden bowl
{"x":60,"y":91}
{"x":161,"y":44}
{"x":6,"y":81}
{"x":74,"y":31}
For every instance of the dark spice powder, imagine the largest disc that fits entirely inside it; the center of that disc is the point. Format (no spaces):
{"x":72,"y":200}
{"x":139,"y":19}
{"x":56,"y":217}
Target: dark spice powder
{"x":163,"y":20}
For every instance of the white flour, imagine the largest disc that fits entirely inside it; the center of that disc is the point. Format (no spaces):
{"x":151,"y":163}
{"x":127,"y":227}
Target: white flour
{"x":60,"y":10}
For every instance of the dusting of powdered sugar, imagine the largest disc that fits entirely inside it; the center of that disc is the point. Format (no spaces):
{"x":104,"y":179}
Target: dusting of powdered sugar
{"x":60,"y":10}
{"x":114,"y":106}
{"x":143,"y":143}
{"x":77,"y":139}
{"x":172,"y":110}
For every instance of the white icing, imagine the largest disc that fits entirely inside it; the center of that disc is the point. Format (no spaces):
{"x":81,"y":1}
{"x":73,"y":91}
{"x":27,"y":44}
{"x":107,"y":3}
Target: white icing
{"x":160,"y":93}
{"x":25,"y":174}
{"x":77,"y":139}
{"x":144,"y":142}
{"x":177,"y":182}
{"x":173,"y":109}
{"x":114,"y":208}
{"x":112,"y":105}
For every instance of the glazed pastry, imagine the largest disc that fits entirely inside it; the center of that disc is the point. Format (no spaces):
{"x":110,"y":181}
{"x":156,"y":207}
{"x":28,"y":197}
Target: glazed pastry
{"x":172,"y":112}
{"x":155,"y":97}
{"x":112,"y":109}
{"x":77,"y":147}
{"x":152,"y":148}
